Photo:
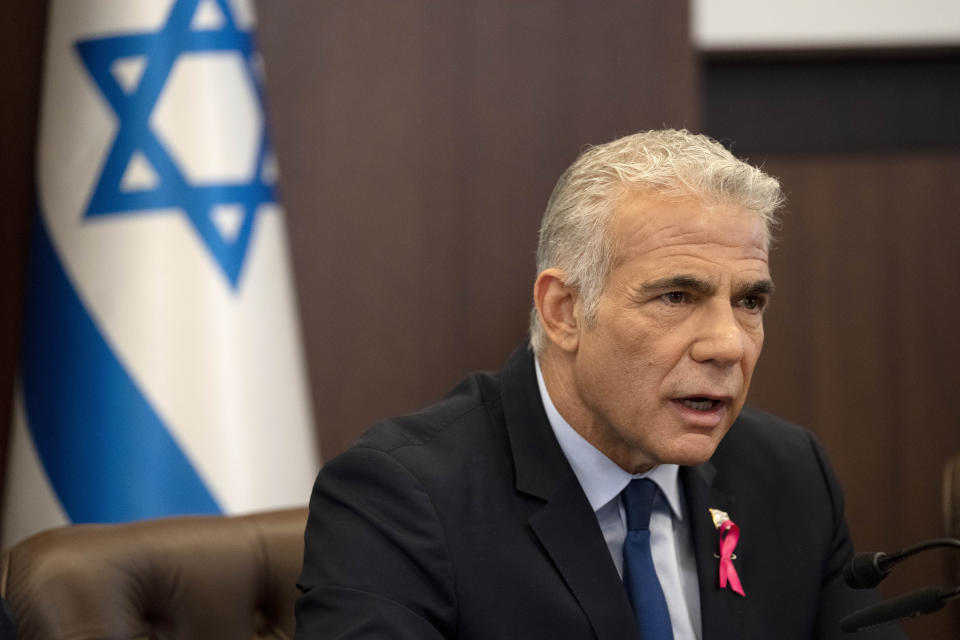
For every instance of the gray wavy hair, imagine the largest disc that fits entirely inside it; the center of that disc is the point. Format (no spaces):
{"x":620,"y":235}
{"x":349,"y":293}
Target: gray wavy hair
{"x":668,"y":162}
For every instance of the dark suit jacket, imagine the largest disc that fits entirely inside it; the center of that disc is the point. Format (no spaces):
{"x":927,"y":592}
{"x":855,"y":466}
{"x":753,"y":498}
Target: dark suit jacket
{"x":466,"y":521}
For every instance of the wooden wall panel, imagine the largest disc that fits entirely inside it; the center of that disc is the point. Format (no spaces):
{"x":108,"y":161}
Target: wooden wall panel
{"x":418,"y":144}
{"x":23,"y":25}
{"x":862,"y":340}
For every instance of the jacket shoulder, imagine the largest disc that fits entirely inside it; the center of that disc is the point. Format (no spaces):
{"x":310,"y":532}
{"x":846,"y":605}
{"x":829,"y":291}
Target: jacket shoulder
{"x":766,"y":450}
{"x":467,"y":405}
{"x":755,"y":428}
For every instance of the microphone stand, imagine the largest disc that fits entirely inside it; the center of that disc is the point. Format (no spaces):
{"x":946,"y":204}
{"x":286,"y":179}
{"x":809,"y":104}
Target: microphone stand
{"x":908,"y":605}
{"x":923,"y":546}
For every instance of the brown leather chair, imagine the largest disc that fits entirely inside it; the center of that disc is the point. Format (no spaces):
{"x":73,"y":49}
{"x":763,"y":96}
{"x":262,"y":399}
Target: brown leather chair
{"x":188,"y":577}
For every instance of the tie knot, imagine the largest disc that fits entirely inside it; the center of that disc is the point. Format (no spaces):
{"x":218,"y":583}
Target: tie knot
{"x":638,"y":503}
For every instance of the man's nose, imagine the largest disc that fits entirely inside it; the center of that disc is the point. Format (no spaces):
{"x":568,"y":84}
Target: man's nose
{"x":720,"y":339}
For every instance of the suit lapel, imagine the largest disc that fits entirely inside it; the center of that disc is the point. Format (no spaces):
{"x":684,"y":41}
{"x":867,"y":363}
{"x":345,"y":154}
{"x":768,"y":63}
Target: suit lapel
{"x":565,"y":525}
{"x":722,"y":610}
{"x":580,"y":554}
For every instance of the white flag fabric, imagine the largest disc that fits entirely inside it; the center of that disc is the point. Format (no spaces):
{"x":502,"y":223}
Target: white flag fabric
{"x":161,"y":366}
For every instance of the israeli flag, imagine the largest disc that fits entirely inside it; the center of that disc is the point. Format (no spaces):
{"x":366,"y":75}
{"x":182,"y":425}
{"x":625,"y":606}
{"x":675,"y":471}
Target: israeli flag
{"x":161,"y":369}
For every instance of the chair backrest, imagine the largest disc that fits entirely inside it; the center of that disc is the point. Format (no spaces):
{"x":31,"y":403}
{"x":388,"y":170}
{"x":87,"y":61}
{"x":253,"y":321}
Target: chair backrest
{"x":186,"y":577}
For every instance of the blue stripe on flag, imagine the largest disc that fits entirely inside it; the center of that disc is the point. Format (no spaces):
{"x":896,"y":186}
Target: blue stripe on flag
{"x":104,"y":448}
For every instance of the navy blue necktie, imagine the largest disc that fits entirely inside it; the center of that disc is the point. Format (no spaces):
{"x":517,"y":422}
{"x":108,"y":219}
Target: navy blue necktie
{"x":639,"y":574}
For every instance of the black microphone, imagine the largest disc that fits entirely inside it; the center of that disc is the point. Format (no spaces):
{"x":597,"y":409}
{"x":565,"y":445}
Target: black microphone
{"x":866,"y":570}
{"x":908,"y":605}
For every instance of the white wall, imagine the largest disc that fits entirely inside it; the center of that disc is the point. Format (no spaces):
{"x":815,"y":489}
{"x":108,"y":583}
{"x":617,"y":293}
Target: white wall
{"x":792,"y":24}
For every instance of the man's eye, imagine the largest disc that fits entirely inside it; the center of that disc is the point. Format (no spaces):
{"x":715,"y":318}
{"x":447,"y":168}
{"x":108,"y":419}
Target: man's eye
{"x":674,"y":297}
{"x":754,"y":303}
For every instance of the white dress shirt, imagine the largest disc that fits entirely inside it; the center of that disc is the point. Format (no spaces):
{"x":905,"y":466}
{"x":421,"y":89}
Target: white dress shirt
{"x":602,"y":481}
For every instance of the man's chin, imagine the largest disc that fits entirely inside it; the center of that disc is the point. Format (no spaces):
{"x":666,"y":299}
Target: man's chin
{"x":691,"y":451}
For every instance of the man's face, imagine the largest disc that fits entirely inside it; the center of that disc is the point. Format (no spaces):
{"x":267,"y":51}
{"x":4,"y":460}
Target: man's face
{"x":663,"y":371}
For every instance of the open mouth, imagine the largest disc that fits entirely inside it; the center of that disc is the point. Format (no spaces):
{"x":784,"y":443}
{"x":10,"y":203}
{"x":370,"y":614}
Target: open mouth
{"x":700,"y":403}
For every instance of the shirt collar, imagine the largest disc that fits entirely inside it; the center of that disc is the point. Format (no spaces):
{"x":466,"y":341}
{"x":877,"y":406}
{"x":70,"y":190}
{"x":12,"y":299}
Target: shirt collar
{"x":601,"y":478}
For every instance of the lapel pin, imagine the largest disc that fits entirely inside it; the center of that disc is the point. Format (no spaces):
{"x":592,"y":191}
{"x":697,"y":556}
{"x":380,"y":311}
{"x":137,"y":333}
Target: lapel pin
{"x":729,"y":535}
{"x":719,"y":517}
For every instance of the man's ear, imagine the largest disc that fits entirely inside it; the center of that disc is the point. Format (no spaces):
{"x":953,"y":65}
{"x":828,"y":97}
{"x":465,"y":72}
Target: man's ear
{"x":557,"y":304}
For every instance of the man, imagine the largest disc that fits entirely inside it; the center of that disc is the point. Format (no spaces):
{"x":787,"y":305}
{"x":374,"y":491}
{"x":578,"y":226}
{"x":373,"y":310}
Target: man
{"x":605,"y":483}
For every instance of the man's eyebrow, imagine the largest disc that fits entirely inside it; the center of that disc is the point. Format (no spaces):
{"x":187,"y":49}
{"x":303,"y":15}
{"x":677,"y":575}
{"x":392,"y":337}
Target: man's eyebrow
{"x":686,"y":282}
{"x":758,"y":288}
{"x":683,"y":282}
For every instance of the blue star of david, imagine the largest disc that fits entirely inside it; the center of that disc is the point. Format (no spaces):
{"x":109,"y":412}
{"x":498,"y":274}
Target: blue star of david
{"x":133,"y":109}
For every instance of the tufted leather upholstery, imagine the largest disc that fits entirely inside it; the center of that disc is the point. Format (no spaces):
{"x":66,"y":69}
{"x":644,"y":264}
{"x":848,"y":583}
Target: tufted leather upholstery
{"x":187,"y":577}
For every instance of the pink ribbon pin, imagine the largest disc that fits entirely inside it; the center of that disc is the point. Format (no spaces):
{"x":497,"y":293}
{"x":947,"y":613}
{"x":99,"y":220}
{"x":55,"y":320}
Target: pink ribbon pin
{"x":729,"y":535}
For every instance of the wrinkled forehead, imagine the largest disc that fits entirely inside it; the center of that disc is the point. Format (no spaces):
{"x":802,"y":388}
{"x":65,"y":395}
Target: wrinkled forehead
{"x":642,"y":218}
